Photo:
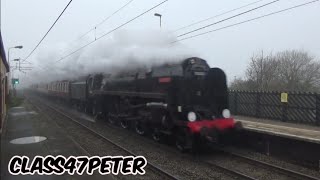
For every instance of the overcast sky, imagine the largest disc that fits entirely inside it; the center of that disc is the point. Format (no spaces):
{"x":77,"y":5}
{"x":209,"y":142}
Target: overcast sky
{"x":24,"y":22}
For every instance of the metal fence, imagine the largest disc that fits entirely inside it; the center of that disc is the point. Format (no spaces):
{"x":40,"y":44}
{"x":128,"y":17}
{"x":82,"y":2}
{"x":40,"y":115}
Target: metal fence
{"x":289,"y":107}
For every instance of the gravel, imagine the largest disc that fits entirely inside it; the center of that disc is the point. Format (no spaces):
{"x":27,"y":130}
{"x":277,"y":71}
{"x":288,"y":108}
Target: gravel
{"x":183,"y":166}
{"x":167,"y":158}
{"x":274,"y":161}
{"x":90,"y":143}
{"x":244,"y":167}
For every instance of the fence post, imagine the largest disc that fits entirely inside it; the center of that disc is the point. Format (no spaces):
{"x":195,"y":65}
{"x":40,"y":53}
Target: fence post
{"x":236,"y":102}
{"x":318,"y":109}
{"x":284,"y":109}
{"x":258,"y":103}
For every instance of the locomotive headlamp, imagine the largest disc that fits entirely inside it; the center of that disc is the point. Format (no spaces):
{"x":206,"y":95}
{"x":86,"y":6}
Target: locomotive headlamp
{"x":226,"y":113}
{"x":192,"y":116}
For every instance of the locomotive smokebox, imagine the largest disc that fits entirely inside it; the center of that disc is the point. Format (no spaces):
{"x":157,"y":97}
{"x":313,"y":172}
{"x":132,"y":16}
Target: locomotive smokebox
{"x":216,"y":93}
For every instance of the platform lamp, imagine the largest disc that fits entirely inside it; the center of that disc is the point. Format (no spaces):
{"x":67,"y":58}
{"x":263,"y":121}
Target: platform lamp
{"x":15,"y":47}
{"x":18,"y":60}
{"x":159,"y":15}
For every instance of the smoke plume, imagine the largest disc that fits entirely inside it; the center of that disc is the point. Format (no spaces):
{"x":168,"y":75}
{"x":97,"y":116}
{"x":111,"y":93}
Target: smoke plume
{"x":123,"y":50}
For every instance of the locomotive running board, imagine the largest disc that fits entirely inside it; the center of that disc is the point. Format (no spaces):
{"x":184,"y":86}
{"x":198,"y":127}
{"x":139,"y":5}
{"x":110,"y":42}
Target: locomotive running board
{"x":132,"y":94}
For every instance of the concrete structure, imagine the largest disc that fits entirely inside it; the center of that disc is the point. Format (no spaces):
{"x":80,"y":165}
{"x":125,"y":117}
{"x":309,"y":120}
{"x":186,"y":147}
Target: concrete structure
{"x":29,"y":131}
{"x":4,"y":90}
{"x":295,"y":131}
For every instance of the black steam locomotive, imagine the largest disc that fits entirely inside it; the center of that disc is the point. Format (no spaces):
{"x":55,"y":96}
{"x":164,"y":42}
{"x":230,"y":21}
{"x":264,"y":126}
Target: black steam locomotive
{"x":187,"y":100}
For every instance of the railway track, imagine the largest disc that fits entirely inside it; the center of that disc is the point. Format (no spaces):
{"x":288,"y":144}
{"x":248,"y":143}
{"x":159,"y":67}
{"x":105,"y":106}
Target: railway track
{"x":230,"y":171}
{"x":151,"y":166}
{"x":282,"y":170}
{"x":266,"y":169}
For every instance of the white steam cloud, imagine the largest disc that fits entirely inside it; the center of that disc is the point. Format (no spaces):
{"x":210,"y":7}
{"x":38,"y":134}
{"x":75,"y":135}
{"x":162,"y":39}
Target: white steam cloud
{"x":123,"y":50}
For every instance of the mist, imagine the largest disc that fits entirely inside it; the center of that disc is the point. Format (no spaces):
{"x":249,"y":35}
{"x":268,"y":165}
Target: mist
{"x":125,"y":49}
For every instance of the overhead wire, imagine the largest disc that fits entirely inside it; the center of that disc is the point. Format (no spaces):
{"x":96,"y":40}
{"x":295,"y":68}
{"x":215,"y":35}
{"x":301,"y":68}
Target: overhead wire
{"x":249,"y":20}
{"x":242,"y":13}
{"x":103,"y":21}
{"x":109,"y":32}
{"x":48,"y":31}
{"x":215,"y":16}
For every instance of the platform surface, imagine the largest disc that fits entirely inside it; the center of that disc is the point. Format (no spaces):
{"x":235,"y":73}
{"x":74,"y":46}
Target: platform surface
{"x":283,"y":129}
{"x":27,"y":121}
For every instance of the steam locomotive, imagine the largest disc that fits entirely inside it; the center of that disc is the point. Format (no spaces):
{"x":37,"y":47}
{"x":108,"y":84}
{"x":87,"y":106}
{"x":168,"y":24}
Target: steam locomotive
{"x":187,"y":100}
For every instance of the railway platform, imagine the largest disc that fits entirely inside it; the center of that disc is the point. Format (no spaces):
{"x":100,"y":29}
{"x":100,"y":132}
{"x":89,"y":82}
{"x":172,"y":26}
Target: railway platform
{"x":299,"y":132}
{"x":28,"y":132}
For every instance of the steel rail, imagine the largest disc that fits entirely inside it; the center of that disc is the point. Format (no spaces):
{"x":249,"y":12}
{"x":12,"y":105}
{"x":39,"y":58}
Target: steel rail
{"x":151,"y":165}
{"x":279,"y":169}
{"x":227,"y":170}
{"x":288,"y":172}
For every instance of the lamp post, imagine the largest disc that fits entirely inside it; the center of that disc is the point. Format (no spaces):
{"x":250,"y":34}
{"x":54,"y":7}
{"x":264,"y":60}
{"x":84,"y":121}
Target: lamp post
{"x":14,"y":80}
{"x":19,"y":63}
{"x":15,"y":47}
{"x":159,"y":15}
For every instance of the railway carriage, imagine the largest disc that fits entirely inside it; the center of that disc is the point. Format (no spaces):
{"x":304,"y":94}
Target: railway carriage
{"x":59,"y":89}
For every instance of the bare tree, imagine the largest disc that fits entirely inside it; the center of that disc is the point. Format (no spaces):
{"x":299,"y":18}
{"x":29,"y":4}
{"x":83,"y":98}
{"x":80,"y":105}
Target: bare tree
{"x":298,"y":70}
{"x":288,"y":70}
{"x":262,"y":71}
{"x":240,"y":84}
